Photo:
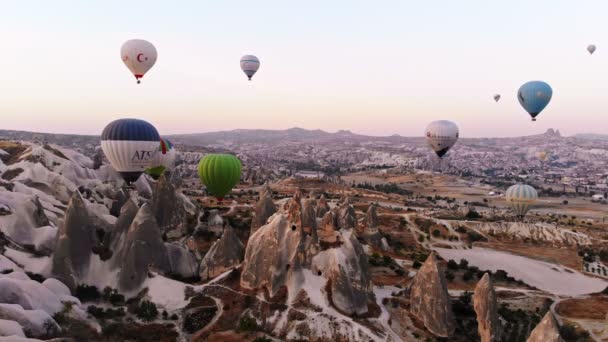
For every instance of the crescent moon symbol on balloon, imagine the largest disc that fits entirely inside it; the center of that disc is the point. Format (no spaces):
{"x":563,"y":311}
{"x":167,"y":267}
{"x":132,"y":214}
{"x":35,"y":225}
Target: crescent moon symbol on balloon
{"x":138,"y":56}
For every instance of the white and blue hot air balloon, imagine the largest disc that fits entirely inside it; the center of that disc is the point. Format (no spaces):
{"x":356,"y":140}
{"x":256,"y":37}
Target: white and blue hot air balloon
{"x":520,"y":197}
{"x":250,"y":65}
{"x":441,"y":135}
{"x":131,"y":146}
{"x":534,"y":96}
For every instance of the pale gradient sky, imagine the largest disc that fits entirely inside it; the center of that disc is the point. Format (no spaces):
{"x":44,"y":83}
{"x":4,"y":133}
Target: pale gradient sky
{"x":373,"y":67}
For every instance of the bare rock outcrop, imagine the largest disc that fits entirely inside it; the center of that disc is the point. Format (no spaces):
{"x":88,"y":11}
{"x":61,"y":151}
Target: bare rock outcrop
{"x":264,"y":208}
{"x":181,"y":261}
{"x":371,"y":233}
{"x":144,"y":248}
{"x":429,"y":299}
{"x":309,"y":219}
{"x":224,"y":254}
{"x":76,"y":240}
{"x":116,"y":238}
{"x":277,"y":249}
{"x":215,"y":222}
{"x":172,"y":210}
{"x":546,"y":331}
{"x":346,"y":215}
{"x":486,"y":308}
{"x":328,"y":233}
{"x":322,"y":207}
{"x":347,"y":269}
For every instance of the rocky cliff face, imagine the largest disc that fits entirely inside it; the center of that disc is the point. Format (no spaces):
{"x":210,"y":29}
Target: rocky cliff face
{"x":264,"y":208}
{"x":75,"y":242}
{"x":281,"y":252}
{"x":347,"y":270}
{"x":143,"y":248}
{"x":172,"y":210}
{"x":371,"y":233}
{"x":116,"y":238}
{"x":215,"y":222}
{"x":486,"y":308}
{"x":224,"y":254}
{"x":309,"y":219}
{"x":546,"y":331}
{"x":276,"y":250}
{"x":322,"y":207}
{"x":429,"y":299}
{"x":346,"y":215}
{"x":327,"y":233}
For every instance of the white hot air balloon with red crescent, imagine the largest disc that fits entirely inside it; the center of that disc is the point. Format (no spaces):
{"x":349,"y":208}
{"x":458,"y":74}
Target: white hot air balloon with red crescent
{"x":139,"y":56}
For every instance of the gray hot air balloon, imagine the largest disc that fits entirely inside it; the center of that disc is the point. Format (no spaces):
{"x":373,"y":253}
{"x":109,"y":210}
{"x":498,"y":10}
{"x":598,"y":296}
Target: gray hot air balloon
{"x":591,"y":48}
{"x":520,"y":197}
{"x":496,"y":97}
{"x":441,"y":135}
{"x":250,"y":65}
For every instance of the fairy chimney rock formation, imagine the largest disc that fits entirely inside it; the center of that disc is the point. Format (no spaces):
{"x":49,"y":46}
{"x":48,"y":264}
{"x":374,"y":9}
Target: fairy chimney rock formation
{"x":486,"y":308}
{"x":429,"y":299}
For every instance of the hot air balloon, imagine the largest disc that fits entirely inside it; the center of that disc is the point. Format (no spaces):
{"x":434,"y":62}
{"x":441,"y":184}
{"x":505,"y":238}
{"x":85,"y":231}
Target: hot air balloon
{"x":139,"y":56}
{"x":250,"y":65}
{"x":220,"y":173}
{"x":496,"y":97}
{"x":520,"y":197}
{"x":591,"y":48}
{"x":131,"y":146}
{"x":441,"y":136}
{"x":164,"y":160}
{"x":534,"y":96}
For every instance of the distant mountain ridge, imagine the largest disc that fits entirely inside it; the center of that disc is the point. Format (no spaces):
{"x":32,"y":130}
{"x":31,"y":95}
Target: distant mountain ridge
{"x":240,"y":136}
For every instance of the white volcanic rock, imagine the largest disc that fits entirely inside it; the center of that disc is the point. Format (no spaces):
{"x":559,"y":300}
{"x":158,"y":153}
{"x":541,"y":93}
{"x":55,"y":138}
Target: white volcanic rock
{"x":10,"y":328}
{"x":371,"y":233}
{"x":534,"y":231}
{"x":76,"y":240}
{"x":322,"y":207}
{"x":37,"y":176}
{"x":328,"y":232}
{"x":429,"y":299}
{"x":6,"y":264}
{"x":24,"y":220}
{"x":172,"y":211}
{"x":143,"y":248}
{"x":264,"y":208}
{"x":181,"y":261}
{"x":29,"y":294}
{"x":215,"y":222}
{"x":116,"y":238}
{"x":57,"y":287}
{"x":486,"y":308}
{"x":277,"y":250}
{"x":546,"y":331}
{"x":347,"y":268}
{"x":37,"y":322}
{"x":346,"y":215}
{"x":226,"y":253}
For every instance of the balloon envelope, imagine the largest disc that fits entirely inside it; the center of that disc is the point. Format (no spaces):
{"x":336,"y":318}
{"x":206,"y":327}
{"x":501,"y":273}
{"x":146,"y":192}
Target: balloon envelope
{"x":520,"y":197}
{"x":250,"y":65}
{"x":441,"y":135}
{"x":220,"y":173}
{"x":534,"y":96}
{"x":131,"y":146}
{"x":164,"y":160}
{"x":139,"y":56}
{"x":591,"y":48}
{"x":496,"y":97}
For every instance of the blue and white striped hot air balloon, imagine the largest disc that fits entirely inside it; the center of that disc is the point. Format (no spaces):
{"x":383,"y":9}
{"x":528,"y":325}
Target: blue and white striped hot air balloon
{"x":520,"y":197}
{"x":250,"y":65}
{"x":131,"y":146}
{"x":534,"y":96}
{"x":441,"y":135}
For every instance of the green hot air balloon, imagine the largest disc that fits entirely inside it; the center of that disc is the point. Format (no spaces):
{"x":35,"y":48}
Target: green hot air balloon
{"x":220,"y":173}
